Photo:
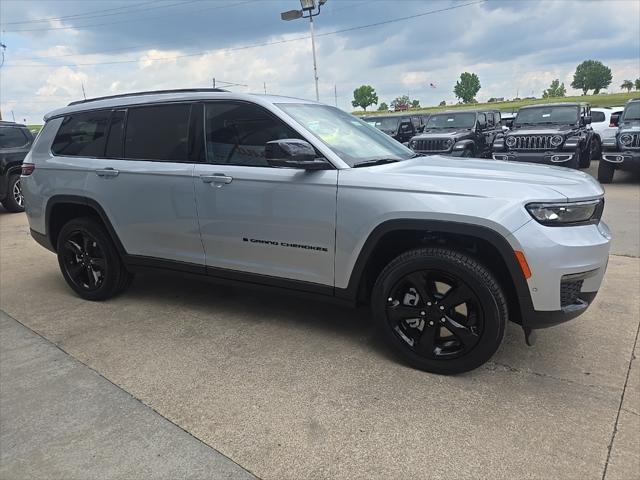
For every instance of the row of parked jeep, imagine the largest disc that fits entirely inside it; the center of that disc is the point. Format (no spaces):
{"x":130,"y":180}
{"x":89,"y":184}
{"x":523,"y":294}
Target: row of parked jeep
{"x":554,"y":134}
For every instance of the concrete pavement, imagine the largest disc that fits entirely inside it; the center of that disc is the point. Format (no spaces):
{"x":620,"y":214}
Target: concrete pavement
{"x":293,"y":389}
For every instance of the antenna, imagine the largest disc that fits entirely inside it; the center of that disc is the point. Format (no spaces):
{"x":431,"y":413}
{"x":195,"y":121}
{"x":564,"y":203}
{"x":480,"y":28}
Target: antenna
{"x":83,"y":94}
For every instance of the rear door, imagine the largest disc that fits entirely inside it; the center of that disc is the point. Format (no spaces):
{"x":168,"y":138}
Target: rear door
{"x":257,"y":219}
{"x":144,"y":182}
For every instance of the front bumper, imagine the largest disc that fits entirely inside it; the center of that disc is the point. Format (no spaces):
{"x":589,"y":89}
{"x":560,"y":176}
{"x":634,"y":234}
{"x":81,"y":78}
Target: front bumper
{"x":549,"y":158}
{"x":625,"y":159}
{"x":567,"y":267}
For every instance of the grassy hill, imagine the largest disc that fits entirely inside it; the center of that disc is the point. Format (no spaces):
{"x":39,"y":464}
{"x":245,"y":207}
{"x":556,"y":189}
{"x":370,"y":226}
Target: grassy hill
{"x":610,"y":100}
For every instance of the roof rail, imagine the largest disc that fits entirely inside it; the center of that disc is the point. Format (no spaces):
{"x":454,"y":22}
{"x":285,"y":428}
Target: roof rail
{"x":150,"y":92}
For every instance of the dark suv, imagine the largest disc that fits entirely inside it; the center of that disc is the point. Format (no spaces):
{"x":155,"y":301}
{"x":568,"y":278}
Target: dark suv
{"x":556,"y":134}
{"x":458,"y":133}
{"x":15,"y":142}
{"x":399,"y":127}
{"x":623,"y":150}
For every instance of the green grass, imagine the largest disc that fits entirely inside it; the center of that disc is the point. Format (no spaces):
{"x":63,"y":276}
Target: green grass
{"x":611,"y":100}
{"x":34,"y":128}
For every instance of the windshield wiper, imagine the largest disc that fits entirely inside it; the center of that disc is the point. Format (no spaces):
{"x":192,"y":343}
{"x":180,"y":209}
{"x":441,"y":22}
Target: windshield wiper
{"x":377,"y":161}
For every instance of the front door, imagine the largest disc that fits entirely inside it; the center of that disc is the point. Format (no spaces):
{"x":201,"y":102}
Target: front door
{"x":257,"y":219}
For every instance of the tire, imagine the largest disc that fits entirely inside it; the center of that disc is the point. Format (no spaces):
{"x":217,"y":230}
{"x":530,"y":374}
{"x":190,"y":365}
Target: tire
{"x":586,"y":156}
{"x":574,"y":162}
{"x":455,"y":342}
{"x":467,"y":153}
{"x":89,"y":261}
{"x":605,"y":171}
{"x":14,"y":202}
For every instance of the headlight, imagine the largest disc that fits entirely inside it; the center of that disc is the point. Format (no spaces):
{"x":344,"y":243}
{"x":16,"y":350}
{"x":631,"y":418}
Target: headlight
{"x":510,"y":141}
{"x":557,"y":214}
{"x":448,"y":142}
{"x":626,"y":140}
{"x":412,"y":143}
{"x":556,"y":140}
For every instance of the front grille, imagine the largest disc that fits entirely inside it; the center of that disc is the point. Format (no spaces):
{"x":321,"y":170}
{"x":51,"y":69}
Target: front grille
{"x":569,"y":292}
{"x":635,"y":143}
{"x":533,"y":142}
{"x":431,"y":145}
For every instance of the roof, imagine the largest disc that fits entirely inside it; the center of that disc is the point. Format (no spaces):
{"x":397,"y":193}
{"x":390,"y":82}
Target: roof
{"x":476,"y":110}
{"x":6,"y":123}
{"x":558,"y":104}
{"x":162,"y":96}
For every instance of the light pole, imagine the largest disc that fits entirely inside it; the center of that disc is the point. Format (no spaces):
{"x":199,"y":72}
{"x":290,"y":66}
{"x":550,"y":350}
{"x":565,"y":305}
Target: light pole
{"x":309,"y":10}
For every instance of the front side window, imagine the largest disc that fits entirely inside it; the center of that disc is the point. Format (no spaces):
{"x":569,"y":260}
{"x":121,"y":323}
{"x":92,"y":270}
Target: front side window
{"x":82,"y":134}
{"x":547,"y":115}
{"x":12,"y":137}
{"x":451,"y":120}
{"x":237,"y":133}
{"x":352,"y":139}
{"x":157,"y":132}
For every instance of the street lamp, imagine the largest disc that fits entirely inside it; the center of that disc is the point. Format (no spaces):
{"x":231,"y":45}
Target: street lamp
{"x":309,"y":10}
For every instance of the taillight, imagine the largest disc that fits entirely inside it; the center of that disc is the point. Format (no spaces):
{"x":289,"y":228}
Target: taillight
{"x":28,"y":168}
{"x":612,"y":125}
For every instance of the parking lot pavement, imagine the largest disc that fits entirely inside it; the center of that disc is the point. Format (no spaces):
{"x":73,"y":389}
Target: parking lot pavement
{"x":289,"y":388}
{"x":62,"y":420}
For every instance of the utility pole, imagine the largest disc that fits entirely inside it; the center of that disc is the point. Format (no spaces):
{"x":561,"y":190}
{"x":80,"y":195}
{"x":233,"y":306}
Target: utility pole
{"x":14,"y":117}
{"x":265,"y":87}
{"x":214,"y":82}
{"x":335,"y":93}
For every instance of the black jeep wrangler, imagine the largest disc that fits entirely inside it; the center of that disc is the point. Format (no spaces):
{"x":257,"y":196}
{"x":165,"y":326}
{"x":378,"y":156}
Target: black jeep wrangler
{"x":399,"y":127}
{"x":15,"y":142}
{"x":458,"y":133}
{"x":556,"y":134}
{"x":622,"y":151}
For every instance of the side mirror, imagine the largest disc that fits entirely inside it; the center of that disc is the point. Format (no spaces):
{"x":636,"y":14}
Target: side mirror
{"x":294,"y":153}
{"x":586,"y":120}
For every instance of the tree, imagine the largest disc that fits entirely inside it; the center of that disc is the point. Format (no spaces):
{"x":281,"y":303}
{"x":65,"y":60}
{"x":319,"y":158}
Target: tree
{"x":415,"y":103}
{"x":383,"y":107}
{"x":556,"y":89}
{"x":467,"y":87}
{"x":626,"y":85}
{"x":591,"y":75}
{"x":401,"y":103}
{"x":637,"y":83}
{"x":364,"y":96}
{"x":442,"y":104}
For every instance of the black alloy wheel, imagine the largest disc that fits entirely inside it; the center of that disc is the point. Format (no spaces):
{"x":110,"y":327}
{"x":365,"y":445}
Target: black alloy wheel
{"x":441,"y":310}
{"x":89,"y":261}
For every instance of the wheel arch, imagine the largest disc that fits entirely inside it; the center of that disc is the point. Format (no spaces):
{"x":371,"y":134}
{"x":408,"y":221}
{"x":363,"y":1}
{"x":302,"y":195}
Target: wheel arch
{"x":393,"y":237}
{"x":62,"y":208}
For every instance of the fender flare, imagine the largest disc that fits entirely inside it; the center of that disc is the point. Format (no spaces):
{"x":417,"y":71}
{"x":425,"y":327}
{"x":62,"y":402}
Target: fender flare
{"x":487,"y":234}
{"x":464,"y":144}
{"x":87,"y":202}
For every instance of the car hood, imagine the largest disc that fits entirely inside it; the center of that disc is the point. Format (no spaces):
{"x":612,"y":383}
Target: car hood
{"x":442,"y":134}
{"x":548,"y":130}
{"x":483,"y":178}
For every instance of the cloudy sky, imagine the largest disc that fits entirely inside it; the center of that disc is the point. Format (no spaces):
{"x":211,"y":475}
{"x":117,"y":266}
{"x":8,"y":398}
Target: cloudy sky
{"x":53,"y":47}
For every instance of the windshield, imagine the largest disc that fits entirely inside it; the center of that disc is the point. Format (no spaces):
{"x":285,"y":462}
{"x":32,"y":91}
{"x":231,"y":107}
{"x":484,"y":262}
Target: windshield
{"x":389,"y":124}
{"x":543,"y":115}
{"x":452,"y":120}
{"x":352,"y":139}
{"x":632,"y":112}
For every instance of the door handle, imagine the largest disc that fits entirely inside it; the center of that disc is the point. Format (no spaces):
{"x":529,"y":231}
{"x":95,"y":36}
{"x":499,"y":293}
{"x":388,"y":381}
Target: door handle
{"x":216,"y":178}
{"x":107,"y":172}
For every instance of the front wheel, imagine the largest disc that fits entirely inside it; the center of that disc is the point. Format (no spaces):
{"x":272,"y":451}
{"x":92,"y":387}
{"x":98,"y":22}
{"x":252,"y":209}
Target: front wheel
{"x":441,"y":310}
{"x":605,"y":171}
{"x":14,"y":202}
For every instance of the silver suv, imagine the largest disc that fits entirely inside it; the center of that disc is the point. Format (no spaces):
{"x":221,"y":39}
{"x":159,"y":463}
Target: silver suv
{"x":294,"y":194}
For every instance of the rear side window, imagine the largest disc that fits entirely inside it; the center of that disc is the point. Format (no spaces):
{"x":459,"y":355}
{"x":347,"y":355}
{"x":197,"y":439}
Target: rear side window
{"x":12,"y":137}
{"x":238,"y":132}
{"x":597,"y":117}
{"x":158,"y":132}
{"x":116,"y":135}
{"x":490,"y":120}
{"x":82,"y":134}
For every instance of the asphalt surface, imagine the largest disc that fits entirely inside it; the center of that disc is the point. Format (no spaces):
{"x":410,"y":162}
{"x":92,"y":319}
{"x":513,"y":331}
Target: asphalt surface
{"x":291,"y":389}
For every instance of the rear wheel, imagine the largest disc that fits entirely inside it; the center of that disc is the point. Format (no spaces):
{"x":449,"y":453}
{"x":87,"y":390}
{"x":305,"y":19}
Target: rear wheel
{"x":14,"y":202}
{"x":605,"y":171}
{"x":440,"y":310}
{"x":89,"y":261}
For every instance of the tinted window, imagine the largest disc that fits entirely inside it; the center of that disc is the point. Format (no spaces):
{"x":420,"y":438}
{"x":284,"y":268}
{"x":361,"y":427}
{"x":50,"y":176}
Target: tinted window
{"x":237,"y":133}
{"x":597,"y":117}
{"x":490,"y":119}
{"x":452,"y":120}
{"x":116,"y":134}
{"x":82,"y":134}
{"x":11,"y":137}
{"x":497,"y":118}
{"x":158,"y":132}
